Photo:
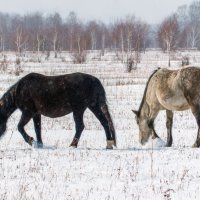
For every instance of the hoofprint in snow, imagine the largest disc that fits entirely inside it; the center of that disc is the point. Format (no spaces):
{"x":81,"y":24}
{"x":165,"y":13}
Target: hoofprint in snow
{"x":90,"y":171}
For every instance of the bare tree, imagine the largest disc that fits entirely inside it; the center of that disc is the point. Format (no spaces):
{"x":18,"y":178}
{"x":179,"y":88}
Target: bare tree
{"x":189,"y":24}
{"x":54,"y":23}
{"x":92,"y":29}
{"x":144,"y":31}
{"x":168,"y":35}
{"x":37,"y":32}
{"x":72,"y":22}
{"x":194,"y":24}
{"x":3,"y":31}
{"x":103,"y":32}
{"x":21,"y":38}
{"x":129,"y":31}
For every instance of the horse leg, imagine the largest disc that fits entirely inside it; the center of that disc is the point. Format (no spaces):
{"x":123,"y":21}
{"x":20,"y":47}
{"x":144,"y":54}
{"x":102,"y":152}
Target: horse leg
{"x":197,"y":142}
{"x":169,"y":123}
{"x":25,"y":118}
{"x":151,"y":125}
{"x":154,"y":134}
{"x":153,"y":114}
{"x":37,"y":126}
{"x":102,"y":114}
{"x":196,"y":113}
{"x":78,"y":118}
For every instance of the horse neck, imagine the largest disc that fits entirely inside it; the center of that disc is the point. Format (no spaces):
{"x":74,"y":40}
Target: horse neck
{"x":144,"y":111}
{"x":144,"y":108}
{"x":7,"y":103}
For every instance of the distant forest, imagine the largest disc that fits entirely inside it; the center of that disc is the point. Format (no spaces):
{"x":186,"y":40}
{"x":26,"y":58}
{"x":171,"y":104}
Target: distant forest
{"x":36,"y":32}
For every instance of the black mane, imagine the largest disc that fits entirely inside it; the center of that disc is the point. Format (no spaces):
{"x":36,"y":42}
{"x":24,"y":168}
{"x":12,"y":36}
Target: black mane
{"x":145,"y":90}
{"x":8,"y":101}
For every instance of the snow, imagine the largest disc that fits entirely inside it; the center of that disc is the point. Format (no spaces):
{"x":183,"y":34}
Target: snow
{"x":130,"y":171}
{"x":157,"y":142}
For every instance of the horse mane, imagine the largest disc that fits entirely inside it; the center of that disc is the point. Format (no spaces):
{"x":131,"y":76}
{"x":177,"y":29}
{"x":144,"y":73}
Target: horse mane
{"x":145,"y":90}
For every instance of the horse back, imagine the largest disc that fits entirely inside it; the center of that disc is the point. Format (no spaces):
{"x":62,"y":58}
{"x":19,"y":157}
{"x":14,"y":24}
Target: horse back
{"x":190,"y":79}
{"x":166,"y":92}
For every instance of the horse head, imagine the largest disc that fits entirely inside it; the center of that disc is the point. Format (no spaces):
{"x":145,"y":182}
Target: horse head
{"x":145,"y":128}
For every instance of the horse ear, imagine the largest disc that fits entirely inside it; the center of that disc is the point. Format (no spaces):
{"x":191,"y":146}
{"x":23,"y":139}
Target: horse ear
{"x":135,"y":112}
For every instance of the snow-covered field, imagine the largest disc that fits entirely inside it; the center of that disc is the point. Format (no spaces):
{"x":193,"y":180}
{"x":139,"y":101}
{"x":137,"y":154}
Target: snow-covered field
{"x":90,"y":171}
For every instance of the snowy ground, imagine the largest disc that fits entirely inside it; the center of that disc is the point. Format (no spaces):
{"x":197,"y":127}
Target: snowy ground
{"x":90,"y":171}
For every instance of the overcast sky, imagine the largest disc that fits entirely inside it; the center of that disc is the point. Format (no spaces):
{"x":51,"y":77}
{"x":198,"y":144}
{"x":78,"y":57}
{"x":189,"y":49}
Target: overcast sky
{"x":152,"y":11}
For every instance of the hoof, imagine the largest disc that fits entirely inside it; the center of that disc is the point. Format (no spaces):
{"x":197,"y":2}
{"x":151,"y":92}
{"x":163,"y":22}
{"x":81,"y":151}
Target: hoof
{"x":39,"y":145}
{"x":109,"y":147}
{"x":34,"y":144}
{"x":154,"y":137}
{"x":110,"y":144}
{"x":168,"y":145}
{"x":72,"y":146}
{"x":74,"y":143}
{"x":31,"y":141}
{"x":196,"y":145}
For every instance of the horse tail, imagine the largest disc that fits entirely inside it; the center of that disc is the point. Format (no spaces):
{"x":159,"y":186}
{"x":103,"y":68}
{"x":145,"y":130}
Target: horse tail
{"x":102,"y":101}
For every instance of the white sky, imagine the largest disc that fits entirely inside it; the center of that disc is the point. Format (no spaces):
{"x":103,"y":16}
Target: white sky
{"x":152,"y":11}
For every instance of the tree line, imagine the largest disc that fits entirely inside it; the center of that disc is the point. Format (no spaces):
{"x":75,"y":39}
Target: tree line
{"x":36,"y":32}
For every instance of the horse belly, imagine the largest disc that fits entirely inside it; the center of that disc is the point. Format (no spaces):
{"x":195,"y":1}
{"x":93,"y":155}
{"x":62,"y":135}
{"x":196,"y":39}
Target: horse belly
{"x":53,"y":113}
{"x":175,"y":102}
{"x":54,"y":109}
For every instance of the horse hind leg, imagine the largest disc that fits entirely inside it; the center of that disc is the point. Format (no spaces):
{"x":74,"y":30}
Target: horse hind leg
{"x":2,"y":129}
{"x":169,"y":124}
{"x":106,"y":113}
{"x":197,"y":142}
{"x":196,"y":113}
{"x":103,"y":115}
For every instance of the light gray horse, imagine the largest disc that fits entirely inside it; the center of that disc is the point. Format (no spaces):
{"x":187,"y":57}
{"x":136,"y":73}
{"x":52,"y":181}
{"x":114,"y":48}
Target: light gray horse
{"x":170,"y":90}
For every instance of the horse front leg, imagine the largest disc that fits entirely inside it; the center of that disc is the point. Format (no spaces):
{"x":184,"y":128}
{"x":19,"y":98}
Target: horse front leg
{"x":25,"y":118}
{"x":154,"y":134}
{"x":169,"y":123}
{"x":151,"y":126}
{"x":78,"y":118}
{"x":153,"y":114}
{"x":37,"y":126}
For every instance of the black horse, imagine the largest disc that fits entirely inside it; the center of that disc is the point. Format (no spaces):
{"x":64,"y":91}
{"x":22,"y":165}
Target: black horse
{"x":56,"y":96}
